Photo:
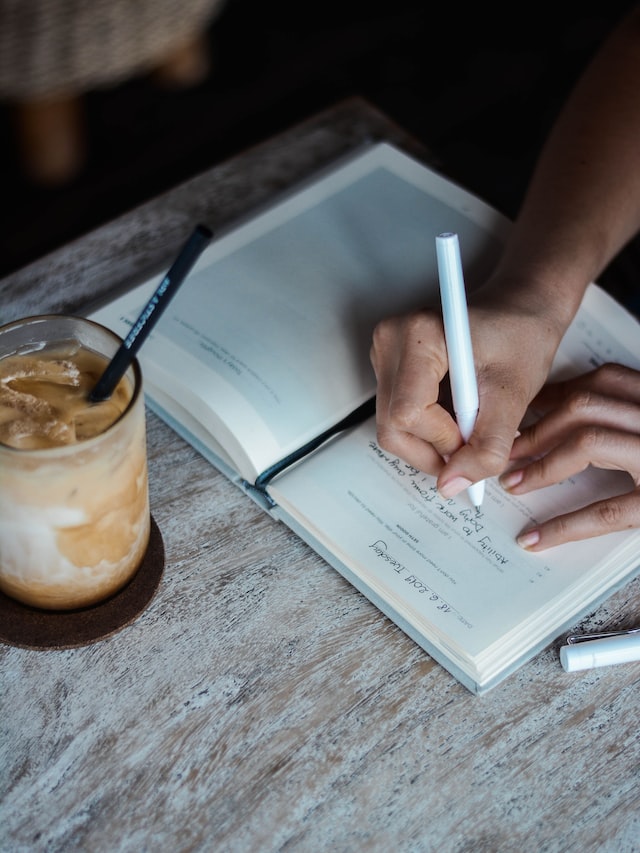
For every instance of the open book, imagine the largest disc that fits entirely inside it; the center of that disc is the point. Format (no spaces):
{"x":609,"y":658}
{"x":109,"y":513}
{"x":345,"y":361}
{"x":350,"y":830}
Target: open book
{"x":261,"y":362}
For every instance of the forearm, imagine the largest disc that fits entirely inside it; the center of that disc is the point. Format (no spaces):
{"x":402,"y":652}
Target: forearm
{"x":583,"y":202}
{"x":582,"y":206}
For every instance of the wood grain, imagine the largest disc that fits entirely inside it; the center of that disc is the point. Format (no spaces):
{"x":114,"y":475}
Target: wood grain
{"x":260,"y":703}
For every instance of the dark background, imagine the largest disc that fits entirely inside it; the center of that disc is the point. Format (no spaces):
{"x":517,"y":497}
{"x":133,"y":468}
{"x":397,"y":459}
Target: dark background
{"x":480,"y":87}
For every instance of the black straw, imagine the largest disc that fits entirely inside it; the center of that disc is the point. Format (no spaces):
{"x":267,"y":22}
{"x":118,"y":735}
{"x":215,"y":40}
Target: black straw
{"x":150,"y":315}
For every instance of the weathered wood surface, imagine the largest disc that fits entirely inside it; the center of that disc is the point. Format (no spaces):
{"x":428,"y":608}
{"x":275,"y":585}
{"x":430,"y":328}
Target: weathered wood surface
{"x":260,"y":703}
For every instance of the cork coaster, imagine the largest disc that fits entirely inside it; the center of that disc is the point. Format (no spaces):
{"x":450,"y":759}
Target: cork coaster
{"x":28,"y":627}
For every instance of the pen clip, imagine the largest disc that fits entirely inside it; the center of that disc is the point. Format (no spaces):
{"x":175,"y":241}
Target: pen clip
{"x":574,"y":639}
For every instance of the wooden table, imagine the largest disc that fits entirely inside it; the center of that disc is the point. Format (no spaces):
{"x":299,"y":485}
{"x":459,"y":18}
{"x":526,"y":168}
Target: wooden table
{"x":260,"y":703}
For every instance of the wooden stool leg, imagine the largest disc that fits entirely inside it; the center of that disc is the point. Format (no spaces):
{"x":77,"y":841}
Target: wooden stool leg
{"x":51,"y":137}
{"x":187,"y":65}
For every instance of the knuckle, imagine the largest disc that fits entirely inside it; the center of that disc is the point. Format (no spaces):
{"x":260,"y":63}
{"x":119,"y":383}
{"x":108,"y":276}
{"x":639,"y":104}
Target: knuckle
{"x":561,"y":529}
{"x":494,"y":453}
{"x":579,"y":402}
{"x":420,"y":331}
{"x":405,"y":415}
{"x":389,"y":439}
{"x":382,"y":334}
{"x":611,"y":515}
{"x":493,"y":462}
{"x":381,"y":329}
{"x":610,"y":374}
{"x":415,"y":324}
{"x":588,"y":439}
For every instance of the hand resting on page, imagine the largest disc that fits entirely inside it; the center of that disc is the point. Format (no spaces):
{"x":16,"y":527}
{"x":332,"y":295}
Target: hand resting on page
{"x":591,"y":420}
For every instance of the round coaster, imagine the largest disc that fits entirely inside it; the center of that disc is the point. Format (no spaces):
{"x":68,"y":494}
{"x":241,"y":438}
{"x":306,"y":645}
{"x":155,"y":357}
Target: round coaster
{"x":28,"y":627}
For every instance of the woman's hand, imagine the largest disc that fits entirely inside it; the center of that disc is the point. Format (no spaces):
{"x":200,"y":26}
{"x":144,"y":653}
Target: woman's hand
{"x":513,"y":346}
{"x":591,"y":420}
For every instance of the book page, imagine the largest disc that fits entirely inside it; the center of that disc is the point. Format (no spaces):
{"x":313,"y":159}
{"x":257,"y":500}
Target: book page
{"x":602,"y":331}
{"x":273,"y":327}
{"x":453,"y":573}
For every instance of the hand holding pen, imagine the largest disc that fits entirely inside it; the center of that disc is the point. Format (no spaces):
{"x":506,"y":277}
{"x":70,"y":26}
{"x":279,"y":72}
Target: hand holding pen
{"x":512,"y":351}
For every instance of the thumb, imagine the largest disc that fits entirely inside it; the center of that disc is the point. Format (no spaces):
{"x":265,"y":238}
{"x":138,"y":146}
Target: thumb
{"x":486,"y":454}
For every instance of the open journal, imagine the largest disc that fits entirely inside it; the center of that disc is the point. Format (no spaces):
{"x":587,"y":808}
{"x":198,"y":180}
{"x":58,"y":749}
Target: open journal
{"x":261,"y":362}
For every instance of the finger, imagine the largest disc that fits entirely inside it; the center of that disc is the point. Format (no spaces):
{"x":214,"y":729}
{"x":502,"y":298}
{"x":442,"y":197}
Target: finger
{"x":409,"y":357}
{"x":421,"y":367}
{"x":591,"y":445}
{"x":488,"y":450}
{"x":608,"y":516}
{"x":411,"y":450}
{"x":384,"y":360}
{"x":421,"y":435}
{"x":613,"y":380}
{"x":582,"y":409}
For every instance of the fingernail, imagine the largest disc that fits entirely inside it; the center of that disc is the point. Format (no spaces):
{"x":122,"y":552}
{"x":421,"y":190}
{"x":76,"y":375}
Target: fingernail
{"x":511,"y":479}
{"x":528,"y":539}
{"x":453,"y":487}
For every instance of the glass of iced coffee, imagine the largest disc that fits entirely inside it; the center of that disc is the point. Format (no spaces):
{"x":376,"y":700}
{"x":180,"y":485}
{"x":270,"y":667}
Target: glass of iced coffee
{"x":74,"y":502}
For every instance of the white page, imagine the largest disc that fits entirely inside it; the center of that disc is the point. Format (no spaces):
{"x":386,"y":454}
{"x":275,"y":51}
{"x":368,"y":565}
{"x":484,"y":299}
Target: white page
{"x":274,"y":324}
{"x":602,"y":331}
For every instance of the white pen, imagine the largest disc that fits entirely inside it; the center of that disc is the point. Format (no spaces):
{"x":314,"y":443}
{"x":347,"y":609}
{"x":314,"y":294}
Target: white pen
{"x":462,"y":372}
{"x":596,"y":650}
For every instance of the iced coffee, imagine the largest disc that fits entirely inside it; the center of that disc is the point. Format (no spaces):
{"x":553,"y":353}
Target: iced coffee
{"x":74,"y":506}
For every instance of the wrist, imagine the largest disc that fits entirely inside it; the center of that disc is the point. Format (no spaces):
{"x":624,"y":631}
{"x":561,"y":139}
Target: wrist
{"x":548,"y":300}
